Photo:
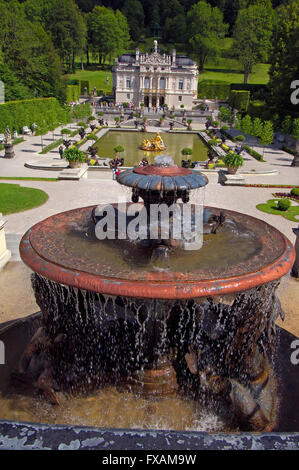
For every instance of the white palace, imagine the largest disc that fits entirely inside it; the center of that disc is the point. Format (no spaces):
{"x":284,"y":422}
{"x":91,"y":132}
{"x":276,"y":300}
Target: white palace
{"x":155,"y":79}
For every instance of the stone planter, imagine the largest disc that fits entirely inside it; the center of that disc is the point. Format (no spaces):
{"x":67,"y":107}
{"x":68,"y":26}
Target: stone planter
{"x":74,"y":164}
{"x":9,"y":151}
{"x":232,"y":170}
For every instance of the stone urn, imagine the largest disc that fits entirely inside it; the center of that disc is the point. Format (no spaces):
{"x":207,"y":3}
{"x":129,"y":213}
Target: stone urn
{"x":74,"y":164}
{"x":232,"y":170}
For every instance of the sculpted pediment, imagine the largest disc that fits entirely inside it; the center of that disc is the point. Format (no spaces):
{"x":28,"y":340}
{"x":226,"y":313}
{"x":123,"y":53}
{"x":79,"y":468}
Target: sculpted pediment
{"x":154,"y":58}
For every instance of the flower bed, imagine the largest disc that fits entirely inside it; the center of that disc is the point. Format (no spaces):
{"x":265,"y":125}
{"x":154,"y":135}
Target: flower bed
{"x":270,"y":186}
{"x":287,"y":195}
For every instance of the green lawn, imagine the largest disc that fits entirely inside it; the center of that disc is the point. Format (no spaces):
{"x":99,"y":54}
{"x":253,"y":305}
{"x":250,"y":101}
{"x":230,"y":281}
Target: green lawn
{"x":97,"y":77}
{"x":14,"y":198}
{"x":270,"y":207}
{"x":229,"y":70}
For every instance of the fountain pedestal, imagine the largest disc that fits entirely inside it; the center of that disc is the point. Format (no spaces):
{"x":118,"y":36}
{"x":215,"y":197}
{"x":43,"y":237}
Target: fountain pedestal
{"x":155,"y":382}
{"x":9,"y":151}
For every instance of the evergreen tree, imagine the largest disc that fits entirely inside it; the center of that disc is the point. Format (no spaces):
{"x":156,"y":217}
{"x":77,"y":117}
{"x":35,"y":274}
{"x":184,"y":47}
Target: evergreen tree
{"x":246,"y":124}
{"x":29,"y":53}
{"x":257,"y":127}
{"x":284,"y":60}
{"x":295,"y":129}
{"x":134,"y":13}
{"x":175,"y":29}
{"x":287,"y":124}
{"x":266,"y":137}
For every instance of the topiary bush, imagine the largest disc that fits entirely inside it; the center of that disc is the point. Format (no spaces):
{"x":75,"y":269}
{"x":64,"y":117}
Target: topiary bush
{"x":119,"y":149}
{"x":92,"y":136}
{"x":253,"y":153}
{"x":213,"y":142}
{"x":284,"y":204}
{"x":295,"y":191}
{"x":186,"y":151}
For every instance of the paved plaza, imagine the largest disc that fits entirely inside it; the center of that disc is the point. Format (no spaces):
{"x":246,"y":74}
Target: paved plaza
{"x":98,"y":187}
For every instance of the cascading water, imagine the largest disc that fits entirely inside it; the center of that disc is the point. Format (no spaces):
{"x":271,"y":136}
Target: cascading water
{"x":159,"y":317}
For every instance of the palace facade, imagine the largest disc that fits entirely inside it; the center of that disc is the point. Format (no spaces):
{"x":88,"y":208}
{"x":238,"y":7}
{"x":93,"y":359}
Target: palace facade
{"x":155,"y":79}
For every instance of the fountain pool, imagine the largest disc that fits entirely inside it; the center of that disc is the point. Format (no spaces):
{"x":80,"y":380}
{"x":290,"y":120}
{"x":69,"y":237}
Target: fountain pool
{"x":122,"y":343}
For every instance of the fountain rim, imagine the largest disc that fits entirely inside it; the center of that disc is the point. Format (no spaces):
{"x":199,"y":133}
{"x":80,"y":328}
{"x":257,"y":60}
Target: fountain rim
{"x":156,"y":289}
{"x":173,"y":170}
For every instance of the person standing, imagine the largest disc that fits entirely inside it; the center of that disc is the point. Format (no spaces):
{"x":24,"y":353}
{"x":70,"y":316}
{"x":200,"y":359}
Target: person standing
{"x":114,"y":164}
{"x":61,"y":151}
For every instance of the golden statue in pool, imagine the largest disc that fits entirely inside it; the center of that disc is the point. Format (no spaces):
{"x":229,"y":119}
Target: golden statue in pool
{"x":155,"y":144}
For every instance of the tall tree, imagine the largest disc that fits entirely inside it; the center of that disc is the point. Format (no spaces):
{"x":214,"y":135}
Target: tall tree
{"x":64,"y":22}
{"x":134,"y":13}
{"x":175,"y":29}
{"x":253,"y":34}
{"x":108,"y":32}
{"x":124,"y":32}
{"x":284,"y":60}
{"x":68,"y":30}
{"x":205,"y":28}
{"x":29,"y":52}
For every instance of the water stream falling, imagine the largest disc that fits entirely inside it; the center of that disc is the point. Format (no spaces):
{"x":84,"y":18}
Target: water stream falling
{"x":154,"y":333}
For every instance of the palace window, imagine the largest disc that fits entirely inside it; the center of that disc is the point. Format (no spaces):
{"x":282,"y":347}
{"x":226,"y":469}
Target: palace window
{"x":146,"y":82}
{"x":128,"y":83}
{"x":181,"y":84}
{"x":162,"y":84}
{"x":180,"y":98}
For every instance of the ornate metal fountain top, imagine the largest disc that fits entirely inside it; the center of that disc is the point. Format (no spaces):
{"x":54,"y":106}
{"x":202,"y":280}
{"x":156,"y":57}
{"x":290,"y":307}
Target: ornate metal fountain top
{"x":164,"y":176}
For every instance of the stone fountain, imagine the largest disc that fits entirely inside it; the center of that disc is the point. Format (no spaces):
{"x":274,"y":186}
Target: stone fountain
{"x":162,"y":316}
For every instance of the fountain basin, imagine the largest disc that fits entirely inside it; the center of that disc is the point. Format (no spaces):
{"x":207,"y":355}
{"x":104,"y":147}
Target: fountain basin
{"x":57,"y":249}
{"x":209,"y":320}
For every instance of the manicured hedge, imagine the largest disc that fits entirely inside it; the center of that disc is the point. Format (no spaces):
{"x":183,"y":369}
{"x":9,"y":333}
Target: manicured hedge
{"x":289,"y":150}
{"x":252,"y":87}
{"x":72,"y":93}
{"x":47,"y":113}
{"x":213,"y":90}
{"x":239,"y":99}
{"x":80,"y":111}
{"x":84,"y":84}
{"x":253,"y":153}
